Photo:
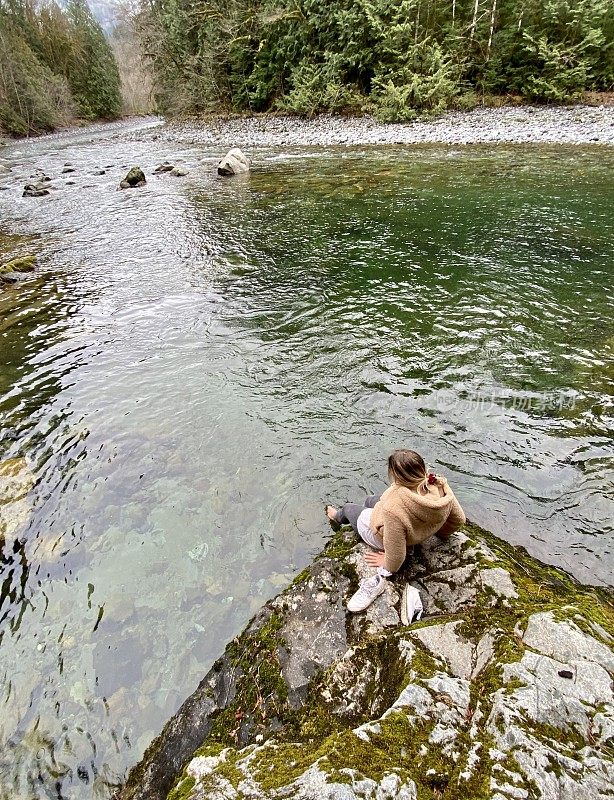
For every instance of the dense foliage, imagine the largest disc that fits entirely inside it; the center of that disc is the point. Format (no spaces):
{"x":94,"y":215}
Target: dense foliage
{"x":393,"y":57}
{"x":55,"y":64}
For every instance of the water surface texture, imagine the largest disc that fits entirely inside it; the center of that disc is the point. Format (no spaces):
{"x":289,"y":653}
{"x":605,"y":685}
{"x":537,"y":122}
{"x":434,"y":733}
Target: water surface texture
{"x":199,"y":364}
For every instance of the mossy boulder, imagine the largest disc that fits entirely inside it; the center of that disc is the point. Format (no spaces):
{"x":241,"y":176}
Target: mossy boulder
{"x":21,"y":264}
{"x":503,"y":690}
{"x":135,"y":177}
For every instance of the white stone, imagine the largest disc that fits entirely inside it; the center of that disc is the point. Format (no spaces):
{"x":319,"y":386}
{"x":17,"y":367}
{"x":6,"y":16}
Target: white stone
{"x":233,"y":163}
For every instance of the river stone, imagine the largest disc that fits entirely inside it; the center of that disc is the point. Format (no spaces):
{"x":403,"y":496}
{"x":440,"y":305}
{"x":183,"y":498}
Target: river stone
{"x":16,"y":481}
{"x":233,"y":163}
{"x":165,"y":167}
{"x":179,"y":172}
{"x":35,"y":190}
{"x":134,"y":178}
{"x":21,"y":264}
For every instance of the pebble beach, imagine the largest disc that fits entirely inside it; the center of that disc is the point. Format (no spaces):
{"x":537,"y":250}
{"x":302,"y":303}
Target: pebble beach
{"x":574,"y":125}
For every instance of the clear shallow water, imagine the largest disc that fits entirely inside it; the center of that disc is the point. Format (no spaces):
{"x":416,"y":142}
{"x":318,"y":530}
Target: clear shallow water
{"x":201,"y":364}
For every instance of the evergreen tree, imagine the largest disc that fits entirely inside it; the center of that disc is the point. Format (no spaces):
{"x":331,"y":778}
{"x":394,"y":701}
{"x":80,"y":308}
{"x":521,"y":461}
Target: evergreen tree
{"x":54,"y":65}
{"x":392,"y":57}
{"x":92,"y":72}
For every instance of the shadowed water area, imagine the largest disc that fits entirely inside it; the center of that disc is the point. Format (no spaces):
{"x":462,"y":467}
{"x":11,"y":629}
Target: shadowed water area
{"x":199,"y":364}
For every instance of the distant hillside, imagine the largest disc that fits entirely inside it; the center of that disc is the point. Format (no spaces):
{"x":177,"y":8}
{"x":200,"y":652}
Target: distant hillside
{"x":55,"y":65}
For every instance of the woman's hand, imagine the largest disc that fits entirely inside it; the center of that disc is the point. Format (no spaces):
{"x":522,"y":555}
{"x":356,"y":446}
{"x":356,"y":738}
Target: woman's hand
{"x":375,"y":559}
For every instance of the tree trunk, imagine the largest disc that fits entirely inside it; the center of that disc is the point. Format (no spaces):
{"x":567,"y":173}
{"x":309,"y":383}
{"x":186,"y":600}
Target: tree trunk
{"x":475,"y":19}
{"x":492,"y":27}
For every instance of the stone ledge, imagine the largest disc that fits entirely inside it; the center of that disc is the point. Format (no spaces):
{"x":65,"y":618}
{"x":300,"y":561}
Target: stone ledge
{"x":503,"y":690}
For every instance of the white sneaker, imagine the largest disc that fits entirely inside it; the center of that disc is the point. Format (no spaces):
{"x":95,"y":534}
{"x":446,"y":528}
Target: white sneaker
{"x":370,"y":588}
{"x":411,"y":605}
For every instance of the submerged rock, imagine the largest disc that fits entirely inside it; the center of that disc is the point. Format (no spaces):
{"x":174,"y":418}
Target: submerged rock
{"x":165,"y":167}
{"x":179,"y":172}
{"x":17,"y":269}
{"x":503,"y":691}
{"x":37,"y":189}
{"x":20,"y":264}
{"x":16,"y":480}
{"x":134,"y":178}
{"x":233,"y":163}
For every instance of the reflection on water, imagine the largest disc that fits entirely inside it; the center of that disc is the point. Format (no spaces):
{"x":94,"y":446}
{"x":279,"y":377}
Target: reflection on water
{"x":200,"y":364}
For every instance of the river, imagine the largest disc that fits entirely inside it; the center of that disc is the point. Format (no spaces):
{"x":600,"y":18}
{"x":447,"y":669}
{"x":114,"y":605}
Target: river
{"x":200,"y":364}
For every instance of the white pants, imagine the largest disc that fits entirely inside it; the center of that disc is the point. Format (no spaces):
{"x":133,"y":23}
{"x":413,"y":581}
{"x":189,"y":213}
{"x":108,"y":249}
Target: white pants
{"x":371,"y":538}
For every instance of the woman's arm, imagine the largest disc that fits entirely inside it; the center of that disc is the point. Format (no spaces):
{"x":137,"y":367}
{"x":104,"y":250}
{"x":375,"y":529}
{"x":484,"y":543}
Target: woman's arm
{"x":395,"y":543}
{"x":456,"y":519}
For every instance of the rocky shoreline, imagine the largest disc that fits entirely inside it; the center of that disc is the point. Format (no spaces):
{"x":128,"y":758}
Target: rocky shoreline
{"x":576,"y":125}
{"x":502,"y":692}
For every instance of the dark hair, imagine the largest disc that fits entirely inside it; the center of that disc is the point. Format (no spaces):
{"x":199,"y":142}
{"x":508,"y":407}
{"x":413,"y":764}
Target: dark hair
{"x":407,"y":468}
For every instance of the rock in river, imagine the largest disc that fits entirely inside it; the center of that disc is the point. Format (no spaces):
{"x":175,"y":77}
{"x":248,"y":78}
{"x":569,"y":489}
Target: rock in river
{"x":37,"y":189}
{"x":17,"y":269}
{"x":16,"y":480}
{"x":233,"y":163}
{"x":474,"y":702}
{"x":134,"y":178}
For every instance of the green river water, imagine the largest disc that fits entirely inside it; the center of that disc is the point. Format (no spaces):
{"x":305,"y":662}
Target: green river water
{"x":198,"y":365}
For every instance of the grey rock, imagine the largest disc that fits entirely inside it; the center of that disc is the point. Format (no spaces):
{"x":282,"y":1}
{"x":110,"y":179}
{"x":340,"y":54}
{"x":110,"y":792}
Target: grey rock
{"x":14,"y":277}
{"x":233,"y":163}
{"x":134,"y":178}
{"x":565,"y":641}
{"x":538,"y":734}
{"x":499,"y":580}
{"x":443,"y":642}
{"x":449,"y":590}
{"x":165,"y":167}
{"x":35,"y":190}
{"x":179,"y":172}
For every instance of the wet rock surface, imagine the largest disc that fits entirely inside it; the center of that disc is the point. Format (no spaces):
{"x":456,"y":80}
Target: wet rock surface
{"x":503,"y":691}
{"x":135,"y":177}
{"x":233,"y":163}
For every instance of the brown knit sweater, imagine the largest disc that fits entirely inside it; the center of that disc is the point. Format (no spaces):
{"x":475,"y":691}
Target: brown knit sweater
{"x":403,"y":517}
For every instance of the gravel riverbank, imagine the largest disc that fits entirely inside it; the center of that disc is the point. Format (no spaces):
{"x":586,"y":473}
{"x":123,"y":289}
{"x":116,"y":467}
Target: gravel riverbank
{"x":515,"y":125}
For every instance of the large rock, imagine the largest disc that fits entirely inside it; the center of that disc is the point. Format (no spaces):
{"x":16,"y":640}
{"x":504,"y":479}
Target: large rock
{"x":504,"y":691}
{"x":233,"y":163}
{"x":17,"y":269}
{"x":134,"y":178}
{"x":20,"y":264}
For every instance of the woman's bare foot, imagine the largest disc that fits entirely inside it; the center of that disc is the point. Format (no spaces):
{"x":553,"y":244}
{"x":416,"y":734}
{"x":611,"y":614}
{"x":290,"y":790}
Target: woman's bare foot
{"x":331,"y":513}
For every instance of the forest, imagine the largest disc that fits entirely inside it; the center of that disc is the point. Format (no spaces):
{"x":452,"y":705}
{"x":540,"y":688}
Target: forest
{"x":396,"y":59}
{"x":56,"y":65}
{"x":393,"y":58}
